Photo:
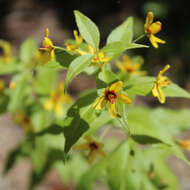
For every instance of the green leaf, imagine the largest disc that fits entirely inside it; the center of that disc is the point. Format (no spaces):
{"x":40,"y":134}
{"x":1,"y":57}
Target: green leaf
{"x":46,"y":79}
{"x":76,"y":67}
{"x":8,"y":68}
{"x":12,"y":158}
{"x":64,"y":58}
{"x":143,"y":124}
{"x":179,"y":123}
{"x":123,"y":33}
{"x":28,"y":50}
{"x":116,"y":165}
{"x":114,"y":47}
{"x":134,"y":46}
{"x":99,"y":122}
{"x":17,"y":94}
{"x":88,"y":29}
{"x":111,"y":169}
{"x":174,"y":150}
{"x":73,"y":169}
{"x":4,"y":100}
{"x":133,"y":169}
{"x":22,"y":150}
{"x":106,"y":78}
{"x":74,"y":130}
{"x":89,"y":177}
{"x":139,"y":85}
{"x":174,"y":90}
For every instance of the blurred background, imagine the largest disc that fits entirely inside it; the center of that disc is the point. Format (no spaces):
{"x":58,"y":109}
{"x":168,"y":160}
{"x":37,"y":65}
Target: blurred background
{"x":20,"y":19}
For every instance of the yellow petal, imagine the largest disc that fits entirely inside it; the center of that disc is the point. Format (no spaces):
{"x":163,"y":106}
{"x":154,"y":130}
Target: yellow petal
{"x":81,"y":147}
{"x":154,"y":40}
{"x":59,"y":109}
{"x":161,"y":96}
{"x":49,"y":105}
{"x":66,"y":98}
{"x":155,"y":27}
{"x":120,"y":65}
{"x":45,"y":57}
{"x":116,"y":87}
{"x":91,"y":156}
{"x":88,"y":138}
{"x":77,"y":38}
{"x":155,"y":91}
{"x":99,"y":103}
{"x":164,"y":81}
{"x":46,"y":32}
{"x":91,"y":49}
{"x":52,"y":55}
{"x":185,"y":144}
{"x":149,"y":20}
{"x":47,"y":43}
{"x":112,"y":109}
{"x":164,"y":69}
{"x":122,"y":98}
{"x":101,"y":152}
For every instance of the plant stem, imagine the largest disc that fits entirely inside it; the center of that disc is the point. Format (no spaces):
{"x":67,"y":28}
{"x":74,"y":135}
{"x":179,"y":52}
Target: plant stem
{"x":125,"y":126}
{"x":60,"y":48}
{"x":140,"y":37}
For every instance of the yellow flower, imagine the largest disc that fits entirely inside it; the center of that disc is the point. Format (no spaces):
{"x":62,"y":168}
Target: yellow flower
{"x":110,"y":96}
{"x":2,"y":85}
{"x":57,"y":99}
{"x":184,"y":144}
{"x":161,"y":81}
{"x":153,"y":28}
{"x":47,"y":49}
{"x":6,"y":51}
{"x":128,"y":65}
{"x":95,"y":148}
{"x":23,"y":120}
{"x":12,"y":85}
{"x":99,"y":57}
{"x":78,"y":41}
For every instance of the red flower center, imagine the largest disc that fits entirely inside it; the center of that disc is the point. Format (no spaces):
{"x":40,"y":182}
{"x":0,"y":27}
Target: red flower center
{"x":93,"y":146}
{"x":110,"y":96}
{"x":149,"y":32}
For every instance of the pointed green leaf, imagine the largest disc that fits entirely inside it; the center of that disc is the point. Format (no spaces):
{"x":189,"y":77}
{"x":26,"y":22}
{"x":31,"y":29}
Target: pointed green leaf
{"x":88,"y":29}
{"x":134,"y":46}
{"x":28,"y":50}
{"x":123,"y":33}
{"x":174,"y":90}
{"x":76,"y":67}
{"x":144,"y":127}
{"x":139,"y":85}
{"x":64,"y":58}
{"x":115,"y":167}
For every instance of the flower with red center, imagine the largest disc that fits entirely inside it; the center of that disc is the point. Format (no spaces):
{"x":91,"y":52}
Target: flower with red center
{"x":94,"y":148}
{"x":153,"y":28}
{"x":110,"y":97}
